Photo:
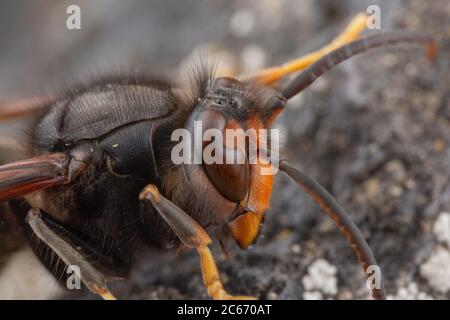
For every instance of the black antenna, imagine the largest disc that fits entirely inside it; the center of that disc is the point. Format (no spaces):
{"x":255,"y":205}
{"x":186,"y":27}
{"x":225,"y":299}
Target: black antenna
{"x":327,"y":62}
{"x":343,"y":221}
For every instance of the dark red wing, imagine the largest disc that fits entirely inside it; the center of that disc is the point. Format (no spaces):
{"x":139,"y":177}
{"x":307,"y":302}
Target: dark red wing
{"x":22,"y":177}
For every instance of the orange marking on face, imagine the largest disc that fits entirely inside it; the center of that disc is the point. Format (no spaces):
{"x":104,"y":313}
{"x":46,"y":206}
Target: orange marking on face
{"x":245,"y":228}
{"x":260,"y":191}
{"x":260,"y":185}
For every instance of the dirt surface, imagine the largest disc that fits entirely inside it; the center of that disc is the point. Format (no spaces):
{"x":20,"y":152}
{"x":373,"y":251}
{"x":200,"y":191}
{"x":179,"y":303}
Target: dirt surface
{"x":375,"y":132}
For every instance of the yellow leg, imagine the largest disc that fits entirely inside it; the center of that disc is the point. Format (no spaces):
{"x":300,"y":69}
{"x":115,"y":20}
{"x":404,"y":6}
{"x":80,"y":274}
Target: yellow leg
{"x":193,"y":236}
{"x":211,"y":277}
{"x":351,"y":32}
{"x":103,"y":292}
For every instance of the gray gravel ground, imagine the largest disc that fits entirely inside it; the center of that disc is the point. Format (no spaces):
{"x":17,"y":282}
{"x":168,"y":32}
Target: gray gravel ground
{"x":375,"y":132}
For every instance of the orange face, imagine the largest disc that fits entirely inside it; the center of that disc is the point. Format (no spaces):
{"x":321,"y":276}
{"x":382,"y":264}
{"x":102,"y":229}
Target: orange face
{"x":246,"y":227}
{"x":239,"y":182}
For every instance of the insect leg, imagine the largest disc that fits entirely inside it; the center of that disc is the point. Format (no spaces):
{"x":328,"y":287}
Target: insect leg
{"x":351,"y":32}
{"x":91,"y":277}
{"x":192,"y":235}
{"x":343,"y":221}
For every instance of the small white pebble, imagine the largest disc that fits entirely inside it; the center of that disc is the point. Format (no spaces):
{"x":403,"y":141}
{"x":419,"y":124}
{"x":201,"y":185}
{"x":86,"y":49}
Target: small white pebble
{"x":296,"y":248}
{"x":411,"y":292}
{"x":424,"y":296}
{"x":403,"y":294}
{"x":395,"y":191}
{"x":412,"y":287}
{"x":272,"y":295}
{"x":441,"y":228}
{"x":322,"y":277}
{"x":437,"y":270}
{"x":312,"y":295}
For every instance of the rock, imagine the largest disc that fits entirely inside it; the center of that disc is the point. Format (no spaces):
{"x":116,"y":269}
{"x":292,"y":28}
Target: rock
{"x":321,"y":277}
{"x":437,"y":270}
{"x":441,"y":228}
{"x":313,"y":295}
{"x":411,"y":292}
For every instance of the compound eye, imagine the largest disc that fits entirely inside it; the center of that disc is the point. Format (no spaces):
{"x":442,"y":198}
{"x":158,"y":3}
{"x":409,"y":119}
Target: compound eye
{"x":224,"y":163}
{"x":231,"y":180}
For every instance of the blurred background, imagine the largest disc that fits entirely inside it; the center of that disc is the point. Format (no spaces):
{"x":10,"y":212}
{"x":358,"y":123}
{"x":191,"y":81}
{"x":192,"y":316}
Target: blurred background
{"x":375,"y":132}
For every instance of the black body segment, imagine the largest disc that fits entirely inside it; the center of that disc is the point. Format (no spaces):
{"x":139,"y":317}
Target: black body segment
{"x":130,"y":150}
{"x":110,"y":130}
{"x":100,"y":111}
